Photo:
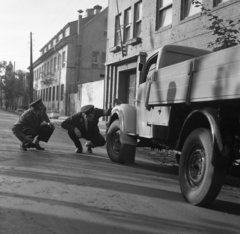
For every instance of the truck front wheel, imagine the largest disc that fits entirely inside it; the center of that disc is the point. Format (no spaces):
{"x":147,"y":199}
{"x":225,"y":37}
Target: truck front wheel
{"x":117,"y":152}
{"x":200,"y":181}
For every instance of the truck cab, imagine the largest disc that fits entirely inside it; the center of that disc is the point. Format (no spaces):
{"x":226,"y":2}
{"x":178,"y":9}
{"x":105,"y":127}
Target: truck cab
{"x":155,"y":96}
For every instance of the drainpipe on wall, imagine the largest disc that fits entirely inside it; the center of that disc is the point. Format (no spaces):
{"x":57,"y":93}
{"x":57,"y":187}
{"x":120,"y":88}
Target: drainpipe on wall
{"x":79,"y":45}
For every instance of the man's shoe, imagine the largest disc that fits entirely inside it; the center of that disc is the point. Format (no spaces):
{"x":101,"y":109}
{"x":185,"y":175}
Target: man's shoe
{"x":78,"y":150}
{"x":23,"y":147}
{"x":37,"y":146}
{"x":89,"y":147}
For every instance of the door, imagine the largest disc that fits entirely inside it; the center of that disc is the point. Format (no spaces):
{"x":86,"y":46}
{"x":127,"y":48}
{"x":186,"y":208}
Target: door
{"x":143,"y":114}
{"x":127,"y":86}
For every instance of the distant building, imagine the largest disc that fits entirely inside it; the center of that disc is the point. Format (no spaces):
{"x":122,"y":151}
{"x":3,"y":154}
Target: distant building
{"x":71,"y":62}
{"x":137,"y":28}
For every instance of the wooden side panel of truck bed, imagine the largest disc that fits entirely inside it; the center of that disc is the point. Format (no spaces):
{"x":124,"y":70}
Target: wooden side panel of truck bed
{"x":170,"y":84}
{"x":216,"y":76}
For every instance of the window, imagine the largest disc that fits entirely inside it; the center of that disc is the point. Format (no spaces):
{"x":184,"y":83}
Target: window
{"x":57,"y":87}
{"x":137,"y":19}
{"x":51,"y":67}
{"x":46,"y":94}
{"x":67,"y":31}
{"x":217,"y":2}
{"x":62,"y":89}
{"x":188,"y":9}
{"x":118,"y":31}
{"x":50,"y":92}
{"x":164,"y":13}
{"x":103,"y":57}
{"x":59,"y":61}
{"x":53,"y":97}
{"x":47,"y":67}
{"x":127,"y":24}
{"x":95,"y":57}
{"x":55,"y":64}
{"x":63,"y":59}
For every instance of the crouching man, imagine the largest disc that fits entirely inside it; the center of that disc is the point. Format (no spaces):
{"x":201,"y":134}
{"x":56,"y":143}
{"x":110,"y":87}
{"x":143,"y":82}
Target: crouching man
{"x":33,"y":126}
{"x":84,"y":124}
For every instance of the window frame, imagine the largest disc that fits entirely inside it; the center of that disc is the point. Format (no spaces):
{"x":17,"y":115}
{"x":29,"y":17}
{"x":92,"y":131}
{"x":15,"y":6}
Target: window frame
{"x":63,"y":58}
{"x":57,"y":92}
{"x":95,"y":57}
{"x":183,"y":9}
{"x":159,"y":13}
{"x":138,"y":21}
{"x":53,"y":94}
{"x":118,"y":30}
{"x":55,"y":64}
{"x":127,"y":24}
{"x":62,"y":91}
{"x":59,"y":62}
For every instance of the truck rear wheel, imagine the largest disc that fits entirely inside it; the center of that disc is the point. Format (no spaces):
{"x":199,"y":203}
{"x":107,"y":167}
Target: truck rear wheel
{"x":117,"y":152}
{"x":200,"y":181}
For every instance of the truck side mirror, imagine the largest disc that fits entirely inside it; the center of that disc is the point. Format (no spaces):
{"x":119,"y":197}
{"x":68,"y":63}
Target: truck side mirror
{"x":140,"y":67}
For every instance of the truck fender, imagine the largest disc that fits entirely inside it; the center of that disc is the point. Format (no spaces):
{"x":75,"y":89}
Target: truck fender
{"x":211,"y":120}
{"x":127,"y":118}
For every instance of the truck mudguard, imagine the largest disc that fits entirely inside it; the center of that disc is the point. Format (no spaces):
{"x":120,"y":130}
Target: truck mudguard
{"x":127,"y":117}
{"x":192,"y":122}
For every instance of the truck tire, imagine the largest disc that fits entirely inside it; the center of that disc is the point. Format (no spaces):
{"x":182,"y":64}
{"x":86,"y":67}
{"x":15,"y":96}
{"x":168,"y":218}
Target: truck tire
{"x":199,"y":180}
{"x":117,"y":152}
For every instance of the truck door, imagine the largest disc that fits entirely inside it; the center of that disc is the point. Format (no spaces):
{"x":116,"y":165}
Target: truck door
{"x":143,"y":114}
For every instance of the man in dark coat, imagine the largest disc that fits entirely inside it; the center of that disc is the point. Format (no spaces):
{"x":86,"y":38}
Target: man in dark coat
{"x":34,"y":122}
{"x":84,"y":124}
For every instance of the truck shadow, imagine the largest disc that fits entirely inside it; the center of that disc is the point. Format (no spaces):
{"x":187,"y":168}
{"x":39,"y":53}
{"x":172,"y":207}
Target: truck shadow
{"x":225,"y":207}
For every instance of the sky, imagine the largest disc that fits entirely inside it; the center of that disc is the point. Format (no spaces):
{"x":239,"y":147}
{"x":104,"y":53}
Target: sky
{"x":42,"y":18}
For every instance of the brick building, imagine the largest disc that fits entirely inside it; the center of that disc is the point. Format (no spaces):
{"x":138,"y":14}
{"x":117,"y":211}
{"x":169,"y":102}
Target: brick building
{"x":137,"y":28}
{"x":71,"y":62}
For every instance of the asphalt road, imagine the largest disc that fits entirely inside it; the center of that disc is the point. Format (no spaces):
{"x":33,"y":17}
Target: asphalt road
{"x":60,"y":192}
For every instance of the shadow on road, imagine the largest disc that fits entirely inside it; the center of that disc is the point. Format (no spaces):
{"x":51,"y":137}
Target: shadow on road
{"x":106,"y":220}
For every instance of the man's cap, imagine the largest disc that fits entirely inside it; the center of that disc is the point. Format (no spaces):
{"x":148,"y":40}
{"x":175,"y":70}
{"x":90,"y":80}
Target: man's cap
{"x":87,"y":109}
{"x":36,"y":103}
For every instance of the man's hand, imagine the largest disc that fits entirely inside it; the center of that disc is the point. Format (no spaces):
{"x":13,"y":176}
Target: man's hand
{"x":51,"y":125}
{"x":77,"y":132}
{"x":28,"y":139}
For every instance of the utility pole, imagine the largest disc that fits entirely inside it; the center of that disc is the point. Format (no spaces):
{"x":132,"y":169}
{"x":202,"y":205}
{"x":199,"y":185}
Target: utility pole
{"x":31,"y":72}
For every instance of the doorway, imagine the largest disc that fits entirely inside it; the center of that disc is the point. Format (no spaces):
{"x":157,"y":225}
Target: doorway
{"x":127,"y":86}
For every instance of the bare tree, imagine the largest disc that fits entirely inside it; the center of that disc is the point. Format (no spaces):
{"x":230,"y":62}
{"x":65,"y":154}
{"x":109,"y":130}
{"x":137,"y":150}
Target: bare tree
{"x":48,"y":80}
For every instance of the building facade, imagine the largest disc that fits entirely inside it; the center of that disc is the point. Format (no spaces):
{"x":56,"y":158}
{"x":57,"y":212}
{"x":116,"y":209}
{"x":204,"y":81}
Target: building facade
{"x":137,"y":28}
{"x":66,"y":62}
